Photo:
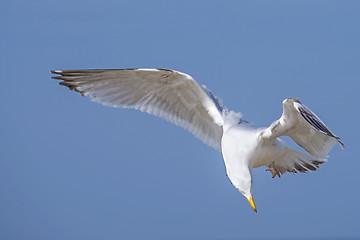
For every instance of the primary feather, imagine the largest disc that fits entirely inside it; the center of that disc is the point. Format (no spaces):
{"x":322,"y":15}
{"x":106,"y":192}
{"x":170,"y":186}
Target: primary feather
{"x":168,"y":94}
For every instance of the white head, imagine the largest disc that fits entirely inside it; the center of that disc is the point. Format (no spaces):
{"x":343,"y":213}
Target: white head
{"x":241,"y":179}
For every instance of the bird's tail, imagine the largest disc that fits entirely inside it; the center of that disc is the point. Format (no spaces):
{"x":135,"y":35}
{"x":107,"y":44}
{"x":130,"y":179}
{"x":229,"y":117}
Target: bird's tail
{"x":295,"y":161}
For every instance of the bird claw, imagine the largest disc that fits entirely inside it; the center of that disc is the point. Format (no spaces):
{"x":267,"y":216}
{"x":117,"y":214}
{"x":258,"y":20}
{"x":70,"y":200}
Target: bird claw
{"x":274,"y":172}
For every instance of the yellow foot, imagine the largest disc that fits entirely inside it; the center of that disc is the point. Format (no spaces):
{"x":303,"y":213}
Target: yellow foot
{"x":273,"y":171}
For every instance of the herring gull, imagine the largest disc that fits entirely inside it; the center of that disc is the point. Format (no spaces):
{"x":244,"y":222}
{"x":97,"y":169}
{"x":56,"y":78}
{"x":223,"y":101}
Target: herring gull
{"x":178,"y":98}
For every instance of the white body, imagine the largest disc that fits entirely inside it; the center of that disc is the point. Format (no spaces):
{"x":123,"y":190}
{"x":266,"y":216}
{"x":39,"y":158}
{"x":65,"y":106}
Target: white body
{"x":243,"y":149}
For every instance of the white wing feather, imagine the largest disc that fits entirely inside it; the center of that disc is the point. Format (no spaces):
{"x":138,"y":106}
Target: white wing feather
{"x":168,"y":94}
{"x":311,"y":133}
{"x":304,"y":127}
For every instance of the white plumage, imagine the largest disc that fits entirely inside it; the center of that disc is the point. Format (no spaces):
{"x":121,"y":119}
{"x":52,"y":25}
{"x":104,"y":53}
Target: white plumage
{"x":178,"y":98}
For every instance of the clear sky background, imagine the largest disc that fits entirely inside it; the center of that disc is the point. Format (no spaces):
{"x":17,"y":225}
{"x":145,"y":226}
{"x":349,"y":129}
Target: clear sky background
{"x":73,"y":169}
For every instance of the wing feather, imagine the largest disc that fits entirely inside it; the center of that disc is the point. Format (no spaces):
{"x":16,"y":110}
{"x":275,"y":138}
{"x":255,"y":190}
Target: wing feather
{"x":314,"y":120}
{"x":297,"y":162}
{"x":304,"y":127}
{"x":168,"y":94}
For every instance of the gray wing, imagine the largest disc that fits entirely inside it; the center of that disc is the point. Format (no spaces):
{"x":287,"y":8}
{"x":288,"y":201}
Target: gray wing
{"x":168,"y":94}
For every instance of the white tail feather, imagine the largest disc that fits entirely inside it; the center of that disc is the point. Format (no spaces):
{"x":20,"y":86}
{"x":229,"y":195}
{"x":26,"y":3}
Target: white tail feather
{"x":295,"y":161}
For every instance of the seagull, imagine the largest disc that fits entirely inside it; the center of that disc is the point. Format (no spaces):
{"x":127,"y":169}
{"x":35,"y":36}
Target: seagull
{"x":179,"y":99}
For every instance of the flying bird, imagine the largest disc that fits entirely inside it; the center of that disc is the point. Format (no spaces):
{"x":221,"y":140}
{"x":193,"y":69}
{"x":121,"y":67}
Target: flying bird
{"x":178,"y":98}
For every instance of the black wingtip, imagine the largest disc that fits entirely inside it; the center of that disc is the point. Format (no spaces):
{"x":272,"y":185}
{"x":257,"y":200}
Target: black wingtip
{"x":56,"y":71}
{"x":59,"y":72}
{"x":341,"y":144}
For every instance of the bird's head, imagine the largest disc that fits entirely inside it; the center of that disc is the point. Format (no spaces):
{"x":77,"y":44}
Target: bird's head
{"x":242,"y":182}
{"x":248,"y":195}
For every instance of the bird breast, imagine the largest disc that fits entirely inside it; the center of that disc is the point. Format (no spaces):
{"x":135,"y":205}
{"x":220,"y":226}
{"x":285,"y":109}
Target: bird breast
{"x":267,"y":152}
{"x":242,"y":144}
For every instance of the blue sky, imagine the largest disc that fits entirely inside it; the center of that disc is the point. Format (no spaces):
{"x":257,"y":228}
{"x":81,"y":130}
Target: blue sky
{"x":73,"y":169}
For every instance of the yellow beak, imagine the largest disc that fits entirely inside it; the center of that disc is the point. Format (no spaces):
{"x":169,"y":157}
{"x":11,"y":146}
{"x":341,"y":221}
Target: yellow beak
{"x":251,"y":201}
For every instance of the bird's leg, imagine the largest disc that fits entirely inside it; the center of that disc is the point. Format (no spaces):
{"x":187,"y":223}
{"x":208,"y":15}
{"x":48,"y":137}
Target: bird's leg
{"x":273,"y":171}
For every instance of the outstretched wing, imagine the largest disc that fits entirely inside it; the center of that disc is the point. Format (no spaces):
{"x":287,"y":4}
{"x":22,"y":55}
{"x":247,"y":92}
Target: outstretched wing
{"x":304,"y":127}
{"x":168,"y":94}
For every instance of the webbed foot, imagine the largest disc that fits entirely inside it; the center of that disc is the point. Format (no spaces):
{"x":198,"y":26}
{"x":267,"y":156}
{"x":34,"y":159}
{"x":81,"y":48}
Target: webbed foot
{"x":274,"y":172}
